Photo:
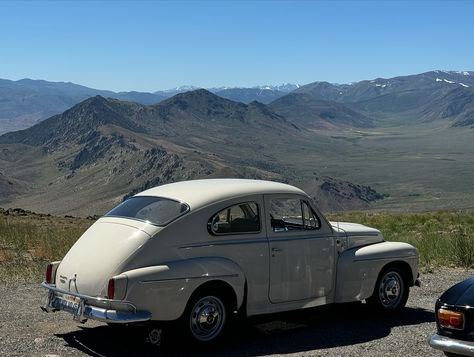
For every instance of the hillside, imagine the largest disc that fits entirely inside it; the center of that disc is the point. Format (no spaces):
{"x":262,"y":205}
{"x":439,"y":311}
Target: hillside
{"x":407,"y":98}
{"x":457,"y":106}
{"x":402,"y":100}
{"x":304,"y":110}
{"x":26,"y":102}
{"x":248,"y":95}
{"x":90,"y":157}
{"x":369,"y":89}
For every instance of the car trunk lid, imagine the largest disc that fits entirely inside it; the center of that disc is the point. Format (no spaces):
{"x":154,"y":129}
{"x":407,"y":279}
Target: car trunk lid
{"x":99,"y":254}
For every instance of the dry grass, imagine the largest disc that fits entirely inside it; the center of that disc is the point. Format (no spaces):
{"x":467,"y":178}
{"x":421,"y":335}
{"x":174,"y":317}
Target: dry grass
{"x":28,"y":243}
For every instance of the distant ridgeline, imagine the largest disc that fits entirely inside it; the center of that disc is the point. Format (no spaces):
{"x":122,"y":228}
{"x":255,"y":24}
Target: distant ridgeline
{"x":319,"y":137}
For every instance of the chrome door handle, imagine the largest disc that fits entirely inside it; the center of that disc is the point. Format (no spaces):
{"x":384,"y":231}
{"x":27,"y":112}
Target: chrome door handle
{"x":276,"y":250}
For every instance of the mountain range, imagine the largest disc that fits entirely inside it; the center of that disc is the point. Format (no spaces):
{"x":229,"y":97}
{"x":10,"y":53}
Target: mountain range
{"x":90,"y":157}
{"x":412,"y":98}
{"x":101,"y":149}
{"x":25,"y":102}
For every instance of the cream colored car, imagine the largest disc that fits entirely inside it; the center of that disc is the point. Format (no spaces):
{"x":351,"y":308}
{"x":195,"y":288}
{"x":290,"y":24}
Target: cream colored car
{"x":196,"y":252}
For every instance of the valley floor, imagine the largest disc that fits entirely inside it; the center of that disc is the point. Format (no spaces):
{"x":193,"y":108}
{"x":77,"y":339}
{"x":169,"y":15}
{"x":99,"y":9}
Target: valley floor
{"x":417,"y":168}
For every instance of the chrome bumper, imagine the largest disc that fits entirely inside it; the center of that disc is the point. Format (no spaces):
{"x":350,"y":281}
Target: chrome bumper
{"x":84,"y":307}
{"x":451,"y":345}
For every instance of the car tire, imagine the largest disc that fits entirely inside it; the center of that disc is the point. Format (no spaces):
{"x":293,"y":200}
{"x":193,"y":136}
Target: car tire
{"x":449,"y":354}
{"x":206,"y":317}
{"x":390,"y":292}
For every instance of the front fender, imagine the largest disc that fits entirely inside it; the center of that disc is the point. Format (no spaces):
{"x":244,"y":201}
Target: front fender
{"x":165,"y":289}
{"x":359,"y":268}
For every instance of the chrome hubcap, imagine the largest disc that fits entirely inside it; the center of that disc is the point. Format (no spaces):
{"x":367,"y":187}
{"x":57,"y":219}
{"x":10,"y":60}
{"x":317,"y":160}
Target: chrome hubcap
{"x":391,"y":290}
{"x":207,"y":318}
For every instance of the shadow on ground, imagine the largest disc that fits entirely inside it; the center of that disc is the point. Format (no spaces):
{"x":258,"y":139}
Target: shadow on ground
{"x":321,"y":328}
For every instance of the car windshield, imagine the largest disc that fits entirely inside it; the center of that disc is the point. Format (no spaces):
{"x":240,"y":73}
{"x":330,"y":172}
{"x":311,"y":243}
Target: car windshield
{"x":156,"y":210}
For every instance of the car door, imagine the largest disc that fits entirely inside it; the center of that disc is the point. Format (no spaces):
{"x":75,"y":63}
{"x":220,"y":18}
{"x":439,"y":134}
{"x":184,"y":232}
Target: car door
{"x":302,"y":250}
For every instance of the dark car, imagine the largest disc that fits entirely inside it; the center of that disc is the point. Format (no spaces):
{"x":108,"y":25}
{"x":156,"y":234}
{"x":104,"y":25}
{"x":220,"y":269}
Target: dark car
{"x":455,"y":320}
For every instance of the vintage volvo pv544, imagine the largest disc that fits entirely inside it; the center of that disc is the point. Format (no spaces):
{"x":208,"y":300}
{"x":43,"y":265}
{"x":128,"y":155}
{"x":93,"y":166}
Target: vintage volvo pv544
{"x":195,"y":252}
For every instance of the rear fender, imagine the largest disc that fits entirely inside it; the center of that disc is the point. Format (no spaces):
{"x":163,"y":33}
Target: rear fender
{"x":359,"y":268}
{"x":165,"y":289}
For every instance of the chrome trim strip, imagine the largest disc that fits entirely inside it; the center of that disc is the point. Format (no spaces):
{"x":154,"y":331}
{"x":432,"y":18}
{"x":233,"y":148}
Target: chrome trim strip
{"x":451,"y":345}
{"x":254,"y":241}
{"x":191,"y":278}
{"x":301,"y":237}
{"x":384,"y":258}
{"x":263,"y":239}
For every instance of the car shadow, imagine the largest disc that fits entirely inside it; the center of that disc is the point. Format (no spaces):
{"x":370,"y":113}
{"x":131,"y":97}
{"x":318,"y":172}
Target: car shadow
{"x":320,"y":328}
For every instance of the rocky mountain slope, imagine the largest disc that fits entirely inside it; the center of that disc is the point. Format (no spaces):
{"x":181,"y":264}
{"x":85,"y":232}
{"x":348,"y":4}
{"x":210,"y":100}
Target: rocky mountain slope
{"x":305,"y":110}
{"x":406,"y":97}
{"x":87,"y":159}
{"x":25,"y":102}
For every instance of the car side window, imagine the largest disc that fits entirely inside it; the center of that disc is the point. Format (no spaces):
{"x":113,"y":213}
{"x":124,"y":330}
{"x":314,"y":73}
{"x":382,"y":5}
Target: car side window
{"x":292,"y":214}
{"x":236,"y":219}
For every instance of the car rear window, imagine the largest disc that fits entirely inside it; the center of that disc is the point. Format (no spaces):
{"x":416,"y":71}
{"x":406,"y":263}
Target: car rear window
{"x":156,"y":210}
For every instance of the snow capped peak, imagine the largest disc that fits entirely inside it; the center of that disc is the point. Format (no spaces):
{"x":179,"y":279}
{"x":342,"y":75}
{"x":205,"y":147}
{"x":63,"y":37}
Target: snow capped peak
{"x":181,"y":89}
{"x":463,"y":73}
{"x":284,"y":87}
{"x":451,"y":82}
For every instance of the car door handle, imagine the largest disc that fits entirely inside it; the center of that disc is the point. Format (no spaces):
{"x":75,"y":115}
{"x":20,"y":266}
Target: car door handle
{"x":276,"y":250}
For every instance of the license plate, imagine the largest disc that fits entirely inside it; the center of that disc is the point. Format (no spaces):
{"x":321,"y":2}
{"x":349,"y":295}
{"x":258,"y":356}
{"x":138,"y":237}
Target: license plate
{"x":68,"y":303}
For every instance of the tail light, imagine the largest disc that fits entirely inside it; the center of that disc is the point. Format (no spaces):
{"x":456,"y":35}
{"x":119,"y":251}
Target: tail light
{"x":451,"y":319}
{"x":111,"y":289}
{"x":49,"y":273}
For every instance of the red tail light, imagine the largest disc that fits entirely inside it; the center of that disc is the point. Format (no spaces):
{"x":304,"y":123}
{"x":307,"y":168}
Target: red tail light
{"x":111,"y":289}
{"x":49,"y":273}
{"x":451,"y":319}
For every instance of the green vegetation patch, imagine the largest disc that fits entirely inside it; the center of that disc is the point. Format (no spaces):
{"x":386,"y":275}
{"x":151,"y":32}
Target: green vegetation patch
{"x":444,"y":238}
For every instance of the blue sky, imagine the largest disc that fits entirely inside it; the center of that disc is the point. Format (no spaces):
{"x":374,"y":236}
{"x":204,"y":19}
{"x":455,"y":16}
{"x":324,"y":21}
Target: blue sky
{"x":153,"y":45}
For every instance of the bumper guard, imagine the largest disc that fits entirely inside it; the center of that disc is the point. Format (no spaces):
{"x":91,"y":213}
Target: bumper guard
{"x":84,"y":307}
{"x":451,"y":345}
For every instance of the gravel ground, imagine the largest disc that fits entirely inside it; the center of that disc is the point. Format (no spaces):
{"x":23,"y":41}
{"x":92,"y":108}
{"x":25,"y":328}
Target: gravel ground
{"x":341,"y":330}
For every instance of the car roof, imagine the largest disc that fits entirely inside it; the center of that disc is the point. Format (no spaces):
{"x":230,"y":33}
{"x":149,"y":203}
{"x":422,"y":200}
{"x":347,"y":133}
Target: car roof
{"x":200,"y":193}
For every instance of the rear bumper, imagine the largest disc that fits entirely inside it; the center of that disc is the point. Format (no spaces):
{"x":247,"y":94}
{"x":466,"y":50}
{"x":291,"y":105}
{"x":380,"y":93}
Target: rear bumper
{"x":451,"y":345}
{"x":84,"y":307}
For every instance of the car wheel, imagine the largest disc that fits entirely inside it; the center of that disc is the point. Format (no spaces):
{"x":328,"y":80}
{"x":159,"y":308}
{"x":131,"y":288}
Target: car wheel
{"x":206,"y":318}
{"x":391,"y":291}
